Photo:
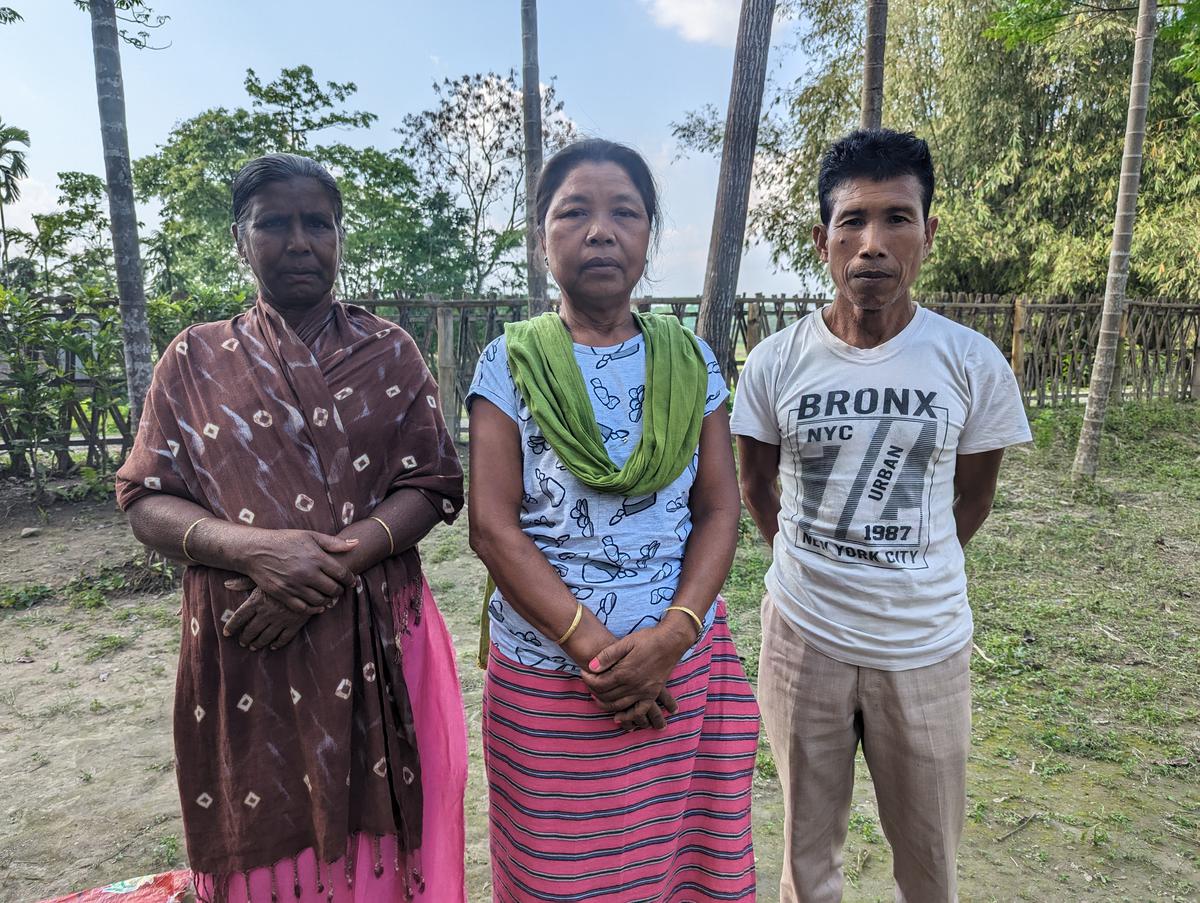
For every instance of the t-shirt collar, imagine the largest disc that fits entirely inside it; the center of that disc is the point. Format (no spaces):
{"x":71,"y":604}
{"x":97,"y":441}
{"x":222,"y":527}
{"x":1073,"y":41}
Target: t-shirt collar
{"x":883,"y":352}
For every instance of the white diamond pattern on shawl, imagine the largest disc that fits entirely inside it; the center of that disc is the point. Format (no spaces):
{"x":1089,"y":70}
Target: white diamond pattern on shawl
{"x":304,"y":503}
{"x":204,"y":801}
{"x":252,"y":799}
{"x":246,"y":516}
{"x":211,"y":430}
{"x":152,"y":483}
{"x":263,"y":419}
{"x":343,"y":689}
{"x":245,"y":702}
{"x":320,"y":416}
{"x":361,"y":462}
{"x":381,"y":768}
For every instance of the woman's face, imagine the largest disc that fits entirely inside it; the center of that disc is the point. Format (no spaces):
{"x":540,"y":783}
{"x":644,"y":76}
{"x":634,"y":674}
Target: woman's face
{"x":291,"y":242}
{"x":596,"y":234}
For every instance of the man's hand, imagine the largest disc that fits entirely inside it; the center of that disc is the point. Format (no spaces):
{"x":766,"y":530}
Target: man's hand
{"x":262,"y":621}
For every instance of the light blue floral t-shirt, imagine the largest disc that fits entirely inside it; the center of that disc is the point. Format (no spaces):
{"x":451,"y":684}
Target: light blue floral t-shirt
{"x":620,"y":556}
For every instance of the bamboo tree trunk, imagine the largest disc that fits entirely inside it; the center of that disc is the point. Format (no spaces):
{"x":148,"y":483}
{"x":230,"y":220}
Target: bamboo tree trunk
{"x":733,"y":185}
{"x":1087,"y":454}
{"x":110,"y":96}
{"x":535,"y":269}
{"x":876,"y":43}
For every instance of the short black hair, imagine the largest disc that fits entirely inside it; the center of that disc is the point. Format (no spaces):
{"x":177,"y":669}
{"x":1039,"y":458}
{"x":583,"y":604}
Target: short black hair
{"x":262,"y":171}
{"x":876,"y":154}
{"x":597,"y":150}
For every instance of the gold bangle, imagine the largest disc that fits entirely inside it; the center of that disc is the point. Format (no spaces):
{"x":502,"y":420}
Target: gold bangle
{"x":691,"y":614}
{"x":187,"y":533}
{"x":574,"y":624}
{"x":388,"y":531}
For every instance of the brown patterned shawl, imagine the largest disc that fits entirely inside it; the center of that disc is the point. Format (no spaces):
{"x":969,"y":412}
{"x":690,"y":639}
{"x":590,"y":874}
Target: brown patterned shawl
{"x":308,"y":429}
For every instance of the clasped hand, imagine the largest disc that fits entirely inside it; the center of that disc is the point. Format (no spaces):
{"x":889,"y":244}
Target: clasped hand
{"x":291,"y":575}
{"x":629,"y":677}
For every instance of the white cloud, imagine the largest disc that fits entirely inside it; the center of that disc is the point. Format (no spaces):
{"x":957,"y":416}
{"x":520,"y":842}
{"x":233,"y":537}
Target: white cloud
{"x":699,"y":21}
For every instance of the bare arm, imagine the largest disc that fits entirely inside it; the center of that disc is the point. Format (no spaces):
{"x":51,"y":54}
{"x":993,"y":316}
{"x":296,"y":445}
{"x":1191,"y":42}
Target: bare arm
{"x":759,"y":473}
{"x":974,"y":488}
{"x":410,"y":516}
{"x":300,"y":568}
{"x":636,"y":667}
{"x":519,"y":568}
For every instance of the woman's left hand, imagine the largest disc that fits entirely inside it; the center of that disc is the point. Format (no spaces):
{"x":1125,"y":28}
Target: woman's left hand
{"x":261,"y":621}
{"x":635,"y":668}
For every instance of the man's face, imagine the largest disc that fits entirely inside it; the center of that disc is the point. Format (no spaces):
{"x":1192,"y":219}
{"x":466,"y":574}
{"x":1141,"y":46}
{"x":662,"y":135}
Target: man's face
{"x":876,"y":240}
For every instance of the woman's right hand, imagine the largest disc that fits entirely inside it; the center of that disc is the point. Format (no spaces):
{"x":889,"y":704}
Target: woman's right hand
{"x":299,"y":568}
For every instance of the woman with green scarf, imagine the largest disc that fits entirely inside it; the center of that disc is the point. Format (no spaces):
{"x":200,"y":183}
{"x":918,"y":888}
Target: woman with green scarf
{"x":620,"y":731}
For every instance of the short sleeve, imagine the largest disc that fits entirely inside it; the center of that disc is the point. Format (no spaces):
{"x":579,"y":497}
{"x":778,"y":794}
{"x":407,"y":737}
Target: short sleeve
{"x":997,"y":415}
{"x":717,"y":390}
{"x":493,"y":380}
{"x":753,"y":402}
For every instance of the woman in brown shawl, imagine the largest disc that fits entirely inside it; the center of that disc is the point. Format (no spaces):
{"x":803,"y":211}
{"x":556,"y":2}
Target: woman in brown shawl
{"x":293,"y":457}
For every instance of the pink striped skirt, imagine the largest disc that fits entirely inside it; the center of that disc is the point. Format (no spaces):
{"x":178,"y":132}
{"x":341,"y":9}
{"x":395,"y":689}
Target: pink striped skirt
{"x":583,"y":811}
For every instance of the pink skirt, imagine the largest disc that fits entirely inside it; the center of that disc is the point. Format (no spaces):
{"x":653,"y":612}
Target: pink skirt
{"x":583,"y":811}
{"x":373,"y":874}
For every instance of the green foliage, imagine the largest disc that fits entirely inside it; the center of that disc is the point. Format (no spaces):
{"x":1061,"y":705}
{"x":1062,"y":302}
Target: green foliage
{"x":402,"y":237}
{"x":470,"y":146}
{"x":296,"y":105}
{"x":1026,"y":142}
{"x":24,"y":596}
{"x":34,"y":389}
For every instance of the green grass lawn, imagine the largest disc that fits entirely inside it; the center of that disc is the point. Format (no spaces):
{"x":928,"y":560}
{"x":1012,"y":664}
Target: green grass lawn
{"x":1084,"y":778}
{"x":1085,"y":773}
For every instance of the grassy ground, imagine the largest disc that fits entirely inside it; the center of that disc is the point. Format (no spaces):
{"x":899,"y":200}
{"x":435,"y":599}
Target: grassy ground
{"x":1084,"y":781}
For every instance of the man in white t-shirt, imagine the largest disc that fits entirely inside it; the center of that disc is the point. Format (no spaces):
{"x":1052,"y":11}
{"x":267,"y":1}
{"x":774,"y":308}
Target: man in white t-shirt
{"x":884,"y":425}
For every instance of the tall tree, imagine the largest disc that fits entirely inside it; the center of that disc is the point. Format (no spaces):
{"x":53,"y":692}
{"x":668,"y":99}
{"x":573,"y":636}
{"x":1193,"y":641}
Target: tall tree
{"x":470,"y":145}
{"x":531,"y":91}
{"x":733,"y":183}
{"x":13,"y":168}
{"x":110,"y":96}
{"x":1087,"y":453}
{"x":296,"y":105}
{"x":1026,"y":141}
{"x":876,"y":43}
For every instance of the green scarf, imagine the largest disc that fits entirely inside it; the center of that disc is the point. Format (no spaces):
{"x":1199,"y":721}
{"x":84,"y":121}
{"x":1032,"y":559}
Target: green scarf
{"x":542,"y":360}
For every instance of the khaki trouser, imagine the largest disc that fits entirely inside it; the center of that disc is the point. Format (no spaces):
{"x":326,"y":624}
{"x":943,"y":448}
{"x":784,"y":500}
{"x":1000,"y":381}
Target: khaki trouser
{"x":915,"y":729}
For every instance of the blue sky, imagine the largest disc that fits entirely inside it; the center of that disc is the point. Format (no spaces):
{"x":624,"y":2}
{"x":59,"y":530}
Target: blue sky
{"x":625,"y":69}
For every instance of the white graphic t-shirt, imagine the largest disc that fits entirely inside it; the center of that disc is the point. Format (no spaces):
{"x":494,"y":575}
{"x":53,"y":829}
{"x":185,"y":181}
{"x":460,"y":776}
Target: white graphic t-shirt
{"x":867,"y":561}
{"x":619,"y":555}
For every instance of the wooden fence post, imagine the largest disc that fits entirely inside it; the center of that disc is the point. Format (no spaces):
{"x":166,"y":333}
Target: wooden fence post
{"x":754,"y":322}
{"x":447,"y":366}
{"x":1020,"y":324}
{"x":1195,"y":387}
